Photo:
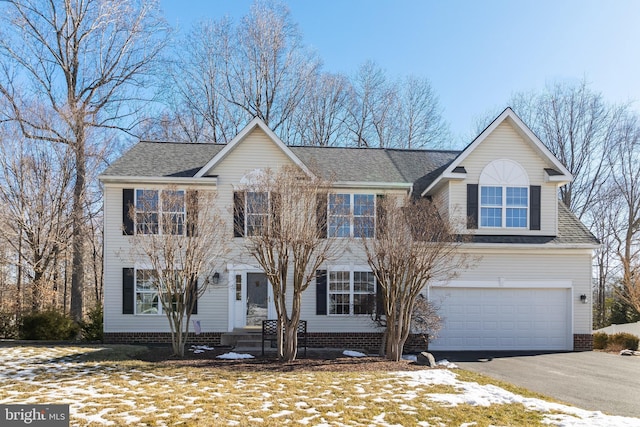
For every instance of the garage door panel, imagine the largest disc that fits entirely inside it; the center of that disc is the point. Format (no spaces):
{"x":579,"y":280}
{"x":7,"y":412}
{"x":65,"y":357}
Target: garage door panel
{"x":503,"y":319}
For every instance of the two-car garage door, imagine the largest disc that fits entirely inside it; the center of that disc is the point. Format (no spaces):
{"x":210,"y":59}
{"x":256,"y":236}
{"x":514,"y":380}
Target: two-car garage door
{"x":503,"y":318}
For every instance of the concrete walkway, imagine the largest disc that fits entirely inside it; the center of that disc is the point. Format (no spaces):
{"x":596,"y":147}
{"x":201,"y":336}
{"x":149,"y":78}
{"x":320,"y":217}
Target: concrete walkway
{"x":589,"y":380}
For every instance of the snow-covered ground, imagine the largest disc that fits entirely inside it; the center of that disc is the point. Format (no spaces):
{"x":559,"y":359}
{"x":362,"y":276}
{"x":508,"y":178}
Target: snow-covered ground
{"x":109,"y":393}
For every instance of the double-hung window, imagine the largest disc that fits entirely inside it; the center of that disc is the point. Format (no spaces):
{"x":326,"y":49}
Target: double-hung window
{"x":351,"y":292}
{"x":502,"y":206}
{"x":345,"y":221}
{"x":160,"y":211}
{"x":147,"y":296}
{"x":257,"y":213}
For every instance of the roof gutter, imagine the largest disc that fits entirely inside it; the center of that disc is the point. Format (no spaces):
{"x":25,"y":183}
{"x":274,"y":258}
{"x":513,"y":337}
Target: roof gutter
{"x":113,"y":179}
{"x":365,"y":184}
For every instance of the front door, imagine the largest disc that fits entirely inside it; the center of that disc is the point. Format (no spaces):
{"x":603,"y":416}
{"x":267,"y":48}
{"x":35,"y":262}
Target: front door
{"x":257,"y":298}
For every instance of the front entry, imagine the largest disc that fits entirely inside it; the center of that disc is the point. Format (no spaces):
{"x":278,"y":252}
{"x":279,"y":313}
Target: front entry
{"x":257,"y":298}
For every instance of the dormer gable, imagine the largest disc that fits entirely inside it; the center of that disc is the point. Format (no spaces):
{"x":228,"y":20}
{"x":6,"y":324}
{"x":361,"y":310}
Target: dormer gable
{"x":554,"y":172}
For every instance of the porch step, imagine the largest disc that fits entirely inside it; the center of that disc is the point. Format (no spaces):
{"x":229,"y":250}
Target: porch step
{"x":249,"y":335}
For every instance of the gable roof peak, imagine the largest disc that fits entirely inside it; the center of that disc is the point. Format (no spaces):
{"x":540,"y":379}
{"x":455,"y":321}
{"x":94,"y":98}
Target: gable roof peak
{"x":521,"y":128}
{"x":255,"y":123}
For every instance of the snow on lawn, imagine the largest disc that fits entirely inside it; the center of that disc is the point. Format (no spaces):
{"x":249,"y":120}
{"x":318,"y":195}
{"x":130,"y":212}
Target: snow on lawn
{"x":134,"y":392}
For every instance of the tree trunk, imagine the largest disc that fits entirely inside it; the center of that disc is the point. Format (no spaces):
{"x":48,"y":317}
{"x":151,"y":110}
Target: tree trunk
{"x":290,"y":348}
{"x":77,"y":236}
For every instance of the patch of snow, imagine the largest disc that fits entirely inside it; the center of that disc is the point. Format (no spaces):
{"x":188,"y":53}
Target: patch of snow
{"x":351,"y":353}
{"x":197,"y":349}
{"x":472,"y":393}
{"x":410,"y":357}
{"x":446,"y":364}
{"x":235,"y":356}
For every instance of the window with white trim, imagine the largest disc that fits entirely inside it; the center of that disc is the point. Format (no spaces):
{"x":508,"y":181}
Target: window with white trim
{"x":160,"y":211}
{"x":146,"y":289}
{"x":344,"y":221}
{"x":351,"y":292}
{"x":504,"y":195}
{"x":257,"y":213}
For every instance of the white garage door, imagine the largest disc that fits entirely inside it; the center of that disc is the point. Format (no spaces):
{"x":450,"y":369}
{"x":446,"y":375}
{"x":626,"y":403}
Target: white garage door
{"x":503,"y":319}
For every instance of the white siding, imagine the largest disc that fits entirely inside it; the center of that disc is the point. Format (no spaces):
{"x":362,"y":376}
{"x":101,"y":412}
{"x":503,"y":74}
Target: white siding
{"x":257,"y":151}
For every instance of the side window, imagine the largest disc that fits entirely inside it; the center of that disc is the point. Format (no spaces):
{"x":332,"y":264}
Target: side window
{"x":257,"y":213}
{"x":339,"y":215}
{"x":147,"y":300}
{"x":364,"y":215}
{"x":147,"y":218}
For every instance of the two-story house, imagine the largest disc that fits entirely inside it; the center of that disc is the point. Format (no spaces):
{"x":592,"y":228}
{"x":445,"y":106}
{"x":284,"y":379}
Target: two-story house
{"x":529,"y":290}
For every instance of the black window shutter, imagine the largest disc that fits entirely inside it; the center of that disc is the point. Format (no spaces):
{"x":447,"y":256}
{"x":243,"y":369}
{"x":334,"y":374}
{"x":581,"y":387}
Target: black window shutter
{"x":472,"y":206}
{"x":128,"y":284}
{"x":238,"y":214}
{"x":193,"y":295}
{"x":127,"y":219}
{"x":534,"y":207}
{"x":381,"y":215}
{"x":192,"y":213}
{"x":321,"y":214}
{"x":321,"y":292}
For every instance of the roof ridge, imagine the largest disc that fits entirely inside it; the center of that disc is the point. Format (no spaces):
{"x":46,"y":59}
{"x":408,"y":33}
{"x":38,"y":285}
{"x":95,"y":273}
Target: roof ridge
{"x":146,"y":141}
{"x":386,"y":149}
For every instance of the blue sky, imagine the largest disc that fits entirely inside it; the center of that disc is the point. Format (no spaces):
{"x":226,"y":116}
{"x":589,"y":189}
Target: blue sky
{"x":475,"y":53}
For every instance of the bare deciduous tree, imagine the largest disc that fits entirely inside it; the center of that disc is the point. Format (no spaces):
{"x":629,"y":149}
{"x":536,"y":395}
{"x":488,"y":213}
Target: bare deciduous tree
{"x":404,"y":113}
{"x":182,"y":237}
{"x":35,"y":188}
{"x":414,"y":246}
{"x":288,"y":242}
{"x":624,"y":158}
{"x":70,"y":66}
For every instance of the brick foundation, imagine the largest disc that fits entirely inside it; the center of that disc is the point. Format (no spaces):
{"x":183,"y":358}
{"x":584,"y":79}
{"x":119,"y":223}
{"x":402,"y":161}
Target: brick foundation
{"x":582,"y":342}
{"x":369,"y":342}
{"x":209,"y":338}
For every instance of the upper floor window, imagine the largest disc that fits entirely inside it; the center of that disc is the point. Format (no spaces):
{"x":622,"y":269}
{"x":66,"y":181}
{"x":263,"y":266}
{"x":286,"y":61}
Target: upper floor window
{"x":159,"y":211}
{"x":504,"y":206}
{"x":252,"y":213}
{"x":351,"y":215}
{"x":504,"y":195}
{"x":257,"y":213}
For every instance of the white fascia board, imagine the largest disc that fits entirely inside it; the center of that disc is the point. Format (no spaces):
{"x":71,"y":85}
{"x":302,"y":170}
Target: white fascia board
{"x":561,"y":179}
{"x":256,"y":122}
{"x":365,"y":184}
{"x":207,"y":181}
{"x":454,"y":175}
{"x":545,"y":246}
{"x":522,"y":128}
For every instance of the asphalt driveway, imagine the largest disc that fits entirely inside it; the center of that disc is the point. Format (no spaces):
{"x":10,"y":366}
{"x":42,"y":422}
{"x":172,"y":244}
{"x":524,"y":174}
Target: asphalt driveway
{"x":590,"y":380}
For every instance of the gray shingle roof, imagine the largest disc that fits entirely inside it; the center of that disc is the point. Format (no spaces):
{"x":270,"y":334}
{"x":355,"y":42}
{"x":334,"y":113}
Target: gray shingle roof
{"x":420,"y":167}
{"x":168,"y":159}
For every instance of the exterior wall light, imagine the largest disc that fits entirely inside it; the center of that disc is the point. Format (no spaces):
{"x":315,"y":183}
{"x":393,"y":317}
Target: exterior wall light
{"x":583,"y":298}
{"x":216,"y":278}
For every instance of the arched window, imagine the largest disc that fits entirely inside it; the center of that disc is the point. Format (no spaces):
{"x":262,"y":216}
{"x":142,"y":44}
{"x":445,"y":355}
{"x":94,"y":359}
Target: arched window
{"x":504,"y":195}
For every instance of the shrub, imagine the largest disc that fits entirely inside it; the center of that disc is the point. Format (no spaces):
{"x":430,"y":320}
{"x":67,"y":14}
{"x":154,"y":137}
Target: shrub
{"x":624,"y":341}
{"x":48,"y":325}
{"x":92,"y":329}
{"x":600,"y":340}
